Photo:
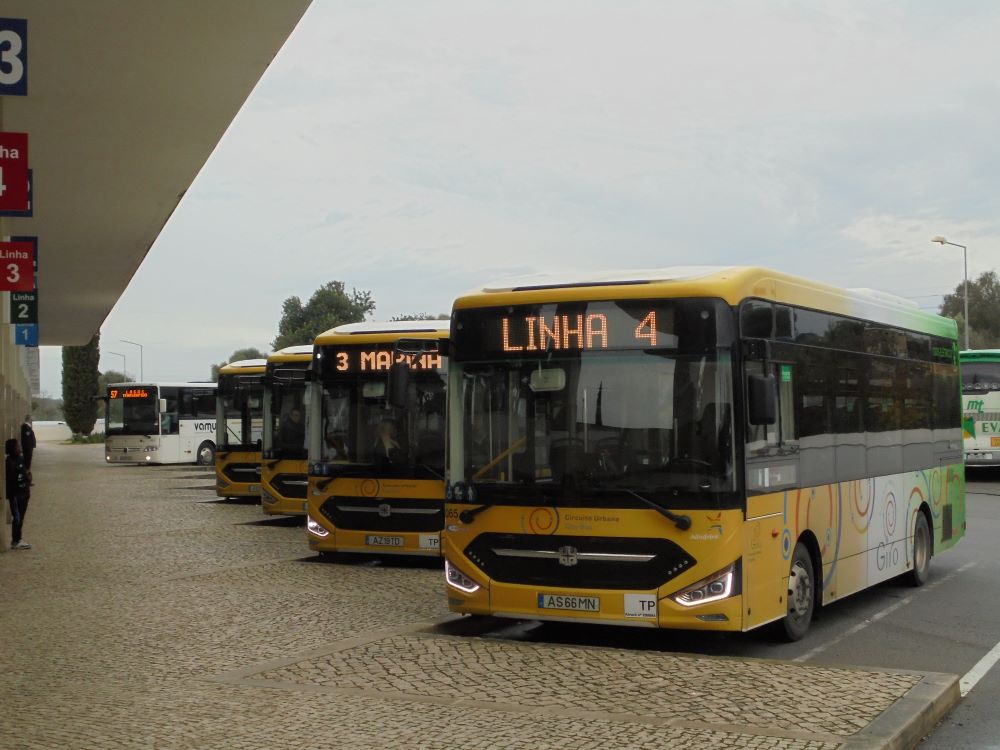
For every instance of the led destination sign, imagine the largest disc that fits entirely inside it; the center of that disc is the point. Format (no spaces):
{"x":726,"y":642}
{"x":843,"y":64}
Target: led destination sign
{"x":575,"y":327}
{"x":538,"y":333}
{"x":378,"y":360}
{"x":129,"y":393}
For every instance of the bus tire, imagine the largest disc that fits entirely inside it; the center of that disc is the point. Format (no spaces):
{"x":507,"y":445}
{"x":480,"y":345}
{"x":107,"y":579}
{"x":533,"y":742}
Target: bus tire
{"x":921,"y":552}
{"x":801,"y":594}
{"x":206,"y":453}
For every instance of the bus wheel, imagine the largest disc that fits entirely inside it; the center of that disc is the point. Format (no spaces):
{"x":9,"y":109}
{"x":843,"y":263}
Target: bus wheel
{"x":206,"y":454}
{"x":801,"y":594}
{"x":921,"y":552}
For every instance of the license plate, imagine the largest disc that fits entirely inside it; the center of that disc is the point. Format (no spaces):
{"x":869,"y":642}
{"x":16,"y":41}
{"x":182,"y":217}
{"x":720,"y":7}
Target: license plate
{"x":995,"y":442}
{"x":568,"y":602}
{"x":383,"y":541}
{"x":430,"y":541}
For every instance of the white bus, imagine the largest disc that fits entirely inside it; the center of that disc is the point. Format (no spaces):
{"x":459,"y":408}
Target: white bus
{"x":981,"y":406}
{"x":160,"y":423}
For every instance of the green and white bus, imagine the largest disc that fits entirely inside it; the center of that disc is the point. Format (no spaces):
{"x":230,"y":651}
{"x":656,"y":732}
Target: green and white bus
{"x":981,"y":406}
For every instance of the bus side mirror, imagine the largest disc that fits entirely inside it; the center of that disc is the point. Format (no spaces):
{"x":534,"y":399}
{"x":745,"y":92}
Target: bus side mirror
{"x":761,"y":393}
{"x":163,"y":406}
{"x":399,"y":380}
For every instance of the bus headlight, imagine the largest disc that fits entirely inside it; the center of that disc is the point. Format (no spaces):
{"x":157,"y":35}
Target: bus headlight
{"x":151,"y":448}
{"x":717,"y":586}
{"x":315,"y":528}
{"x":457,"y":579}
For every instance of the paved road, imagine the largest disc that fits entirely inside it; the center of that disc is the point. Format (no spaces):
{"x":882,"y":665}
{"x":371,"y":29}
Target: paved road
{"x":149,"y":614}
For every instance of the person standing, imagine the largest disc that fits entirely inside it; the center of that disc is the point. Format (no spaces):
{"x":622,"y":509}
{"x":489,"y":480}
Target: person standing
{"x":18,"y":490}
{"x":27,"y":441}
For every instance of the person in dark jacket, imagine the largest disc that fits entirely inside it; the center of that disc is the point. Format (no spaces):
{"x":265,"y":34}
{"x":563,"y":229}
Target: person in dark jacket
{"x":27,"y":441}
{"x":18,"y":490}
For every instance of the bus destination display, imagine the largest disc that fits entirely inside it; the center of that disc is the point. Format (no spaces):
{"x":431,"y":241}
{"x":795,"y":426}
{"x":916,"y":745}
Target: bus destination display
{"x":129,"y":393}
{"x":351,"y":360}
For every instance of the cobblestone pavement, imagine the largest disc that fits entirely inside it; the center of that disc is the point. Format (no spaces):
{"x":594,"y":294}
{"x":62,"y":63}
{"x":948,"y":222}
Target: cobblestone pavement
{"x":148,"y":614}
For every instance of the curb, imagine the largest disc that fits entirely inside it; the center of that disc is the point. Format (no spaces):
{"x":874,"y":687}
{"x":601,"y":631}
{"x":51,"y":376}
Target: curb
{"x":911,"y":718}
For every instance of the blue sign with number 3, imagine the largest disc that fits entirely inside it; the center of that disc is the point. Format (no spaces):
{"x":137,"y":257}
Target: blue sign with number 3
{"x":13,"y":57}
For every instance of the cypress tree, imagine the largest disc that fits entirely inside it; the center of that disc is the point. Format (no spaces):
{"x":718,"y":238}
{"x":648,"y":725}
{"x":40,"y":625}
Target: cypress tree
{"x":80,"y":385}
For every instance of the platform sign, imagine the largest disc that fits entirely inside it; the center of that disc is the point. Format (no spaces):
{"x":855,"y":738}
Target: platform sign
{"x":34,"y":243}
{"x":14,"y":172}
{"x":17,"y":267}
{"x":26,"y":335}
{"x":24,"y":307}
{"x":13,"y":57}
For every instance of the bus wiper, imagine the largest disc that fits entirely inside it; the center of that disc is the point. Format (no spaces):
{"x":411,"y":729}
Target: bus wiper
{"x":467,"y":515}
{"x":682,"y":522}
{"x":430,"y":469}
{"x":467,"y":491}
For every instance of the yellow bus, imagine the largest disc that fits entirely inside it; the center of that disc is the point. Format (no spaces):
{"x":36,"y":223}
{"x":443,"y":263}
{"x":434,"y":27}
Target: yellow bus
{"x":283,"y":476}
{"x":239,"y":428}
{"x":376,"y":460}
{"x":701,"y":448}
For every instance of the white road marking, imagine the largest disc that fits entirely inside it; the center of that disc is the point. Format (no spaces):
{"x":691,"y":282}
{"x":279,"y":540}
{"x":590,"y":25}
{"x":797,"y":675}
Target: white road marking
{"x":888,"y":611}
{"x":979,"y":671}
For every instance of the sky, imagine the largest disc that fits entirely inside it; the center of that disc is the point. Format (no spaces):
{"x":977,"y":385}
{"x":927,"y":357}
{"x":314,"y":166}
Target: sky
{"x":421,"y":150}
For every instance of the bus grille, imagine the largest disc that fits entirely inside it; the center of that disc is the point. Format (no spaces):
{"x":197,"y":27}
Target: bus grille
{"x":381,"y":514}
{"x":246,"y":473}
{"x":578,"y":561}
{"x":290,"y":485}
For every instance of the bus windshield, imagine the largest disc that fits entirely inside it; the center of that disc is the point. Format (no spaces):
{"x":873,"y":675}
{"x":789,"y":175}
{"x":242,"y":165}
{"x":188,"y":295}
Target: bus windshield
{"x":980,"y":377}
{"x":599,"y":424}
{"x":363,"y":436}
{"x":241,"y":400}
{"x":132,"y":411}
{"x":288,"y":418}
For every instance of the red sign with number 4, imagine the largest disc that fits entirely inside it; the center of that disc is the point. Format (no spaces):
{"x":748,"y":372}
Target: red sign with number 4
{"x":17,"y":266}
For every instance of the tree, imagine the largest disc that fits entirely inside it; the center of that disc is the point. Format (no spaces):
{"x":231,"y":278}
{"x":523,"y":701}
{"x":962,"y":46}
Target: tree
{"x":421,"y":316}
{"x":250,"y":353}
{"x":329,"y":306}
{"x":81,"y":384}
{"x":984,"y":300}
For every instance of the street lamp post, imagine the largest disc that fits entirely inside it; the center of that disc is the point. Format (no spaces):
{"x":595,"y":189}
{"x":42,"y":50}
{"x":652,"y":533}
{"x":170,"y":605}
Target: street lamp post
{"x":965,"y":273}
{"x":124,"y":364}
{"x":133,"y":343}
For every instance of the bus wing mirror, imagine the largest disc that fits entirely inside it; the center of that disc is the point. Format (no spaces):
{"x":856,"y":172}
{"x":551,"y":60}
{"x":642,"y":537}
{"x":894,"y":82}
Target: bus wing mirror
{"x":163,"y":406}
{"x":761,"y":393}
{"x":399,"y":380}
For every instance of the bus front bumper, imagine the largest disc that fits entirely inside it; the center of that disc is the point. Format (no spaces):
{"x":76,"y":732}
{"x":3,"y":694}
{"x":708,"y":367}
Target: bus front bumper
{"x":469,"y":592}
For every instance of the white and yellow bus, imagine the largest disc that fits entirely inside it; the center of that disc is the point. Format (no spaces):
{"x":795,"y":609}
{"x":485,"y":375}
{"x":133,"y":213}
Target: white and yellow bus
{"x":703,"y":448}
{"x":160,"y":423}
{"x":376,"y":455}
{"x":239,"y":429}
{"x":981,"y":406}
{"x":283,"y":475}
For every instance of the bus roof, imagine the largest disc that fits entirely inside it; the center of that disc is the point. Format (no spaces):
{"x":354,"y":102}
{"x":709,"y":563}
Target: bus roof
{"x":244,"y":367}
{"x":297,"y":353}
{"x":979,"y":355}
{"x":389,"y":331}
{"x":730,"y":283}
